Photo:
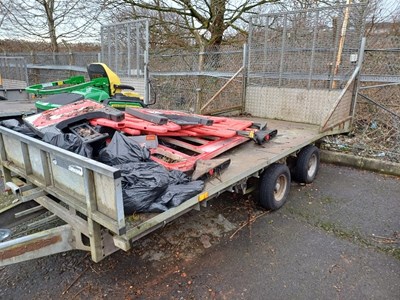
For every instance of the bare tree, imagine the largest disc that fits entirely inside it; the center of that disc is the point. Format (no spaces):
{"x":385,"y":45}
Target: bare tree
{"x":382,"y":13}
{"x":206,"y":20}
{"x":49,"y":20}
{"x":2,"y":15}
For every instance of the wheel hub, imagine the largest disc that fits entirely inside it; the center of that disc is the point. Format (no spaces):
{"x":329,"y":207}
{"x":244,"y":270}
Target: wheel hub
{"x":280,"y":188}
{"x":312,"y":166}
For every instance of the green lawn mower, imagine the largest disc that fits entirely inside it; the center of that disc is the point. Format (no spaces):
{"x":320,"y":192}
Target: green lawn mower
{"x":104,"y":86}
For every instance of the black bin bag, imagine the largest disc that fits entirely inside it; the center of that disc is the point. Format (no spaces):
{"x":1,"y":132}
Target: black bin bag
{"x":122,"y":150}
{"x":17,"y":126}
{"x":70,"y":142}
{"x":146,"y":185}
{"x":142,"y":184}
{"x":176,"y":194}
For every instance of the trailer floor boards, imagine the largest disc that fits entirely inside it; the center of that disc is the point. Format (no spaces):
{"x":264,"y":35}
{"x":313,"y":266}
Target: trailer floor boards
{"x":246,"y":160}
{"x":250,"y":157}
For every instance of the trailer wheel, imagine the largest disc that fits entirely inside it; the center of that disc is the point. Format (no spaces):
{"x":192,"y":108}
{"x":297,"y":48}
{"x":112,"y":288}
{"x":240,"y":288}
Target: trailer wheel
{"x":274,"y":186}
{"x":307,"y":164}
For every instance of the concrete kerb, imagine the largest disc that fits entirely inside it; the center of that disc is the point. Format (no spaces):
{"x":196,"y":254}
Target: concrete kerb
{"x":359,"y":162}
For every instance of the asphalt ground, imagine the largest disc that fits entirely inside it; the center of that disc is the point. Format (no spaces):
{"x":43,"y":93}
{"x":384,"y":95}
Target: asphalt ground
{"x":338,"y":238}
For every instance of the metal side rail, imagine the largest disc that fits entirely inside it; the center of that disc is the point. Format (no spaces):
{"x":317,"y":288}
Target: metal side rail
{"x":92,"y":188}
{"x":85,"y":194}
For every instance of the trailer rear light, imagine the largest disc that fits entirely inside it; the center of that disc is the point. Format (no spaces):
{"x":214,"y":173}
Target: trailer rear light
{"x":203,"y":196}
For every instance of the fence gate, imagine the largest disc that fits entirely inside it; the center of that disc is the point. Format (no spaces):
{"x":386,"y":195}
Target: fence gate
{"x":307,"y":59}
{"x":13,"y":78}
{"x":124,"y":48}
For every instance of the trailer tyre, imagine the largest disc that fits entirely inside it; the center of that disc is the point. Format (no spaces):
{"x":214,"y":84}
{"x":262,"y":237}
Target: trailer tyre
{"x":274,"y":186}
{"x":307,"y":164}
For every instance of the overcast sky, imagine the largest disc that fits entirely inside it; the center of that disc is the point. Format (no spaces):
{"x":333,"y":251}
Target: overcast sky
{"x":389,"y":6}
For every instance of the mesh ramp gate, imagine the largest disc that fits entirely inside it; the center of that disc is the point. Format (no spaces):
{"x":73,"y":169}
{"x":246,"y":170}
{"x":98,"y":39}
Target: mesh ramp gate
{"x":300,"y":64}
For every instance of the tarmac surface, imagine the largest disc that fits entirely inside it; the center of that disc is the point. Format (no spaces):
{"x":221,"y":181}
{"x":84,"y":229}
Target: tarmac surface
{"x":338,"y":238}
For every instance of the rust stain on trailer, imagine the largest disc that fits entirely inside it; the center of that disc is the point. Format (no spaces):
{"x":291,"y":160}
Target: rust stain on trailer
{"x":28,"y":247}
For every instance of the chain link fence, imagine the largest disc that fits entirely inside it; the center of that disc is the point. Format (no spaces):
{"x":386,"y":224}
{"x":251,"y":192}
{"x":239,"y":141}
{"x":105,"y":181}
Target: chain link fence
{"x":376,"y":124}
{"x":188,"y":80}
{"x":45,"y":66}
{"x":312,"y":48}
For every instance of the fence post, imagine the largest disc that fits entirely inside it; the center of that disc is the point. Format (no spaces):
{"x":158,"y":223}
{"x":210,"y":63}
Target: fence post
{"x":342,"y":39}
{"x":199,"y":80}
{"x":245,"y":75}
{"x":146,"y":63}
{"x":36,"y":74}
{"x":283,"y":45}
{"x":70,"y":61}
{"x":357,"y":79}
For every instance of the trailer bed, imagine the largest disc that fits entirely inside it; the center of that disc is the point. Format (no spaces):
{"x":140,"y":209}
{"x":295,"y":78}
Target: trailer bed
{"x":247,"y":160}
{"x":11,"y":109}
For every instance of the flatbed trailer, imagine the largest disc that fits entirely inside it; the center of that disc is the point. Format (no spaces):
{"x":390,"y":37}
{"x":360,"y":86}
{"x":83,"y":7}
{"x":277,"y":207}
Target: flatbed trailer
{"x":85,"y":196}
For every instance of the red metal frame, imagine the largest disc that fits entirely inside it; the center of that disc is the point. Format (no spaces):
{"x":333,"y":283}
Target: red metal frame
{"x":185,"y":162}
{"x":180,"y":145}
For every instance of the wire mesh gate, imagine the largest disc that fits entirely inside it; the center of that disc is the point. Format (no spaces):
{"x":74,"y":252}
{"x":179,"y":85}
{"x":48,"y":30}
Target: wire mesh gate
{"x":125,"y":48}
{"x":304,"y":59}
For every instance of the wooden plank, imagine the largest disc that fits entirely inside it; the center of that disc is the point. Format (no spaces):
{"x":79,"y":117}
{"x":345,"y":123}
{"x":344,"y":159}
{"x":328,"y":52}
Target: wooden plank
{"x":182,"y":144}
